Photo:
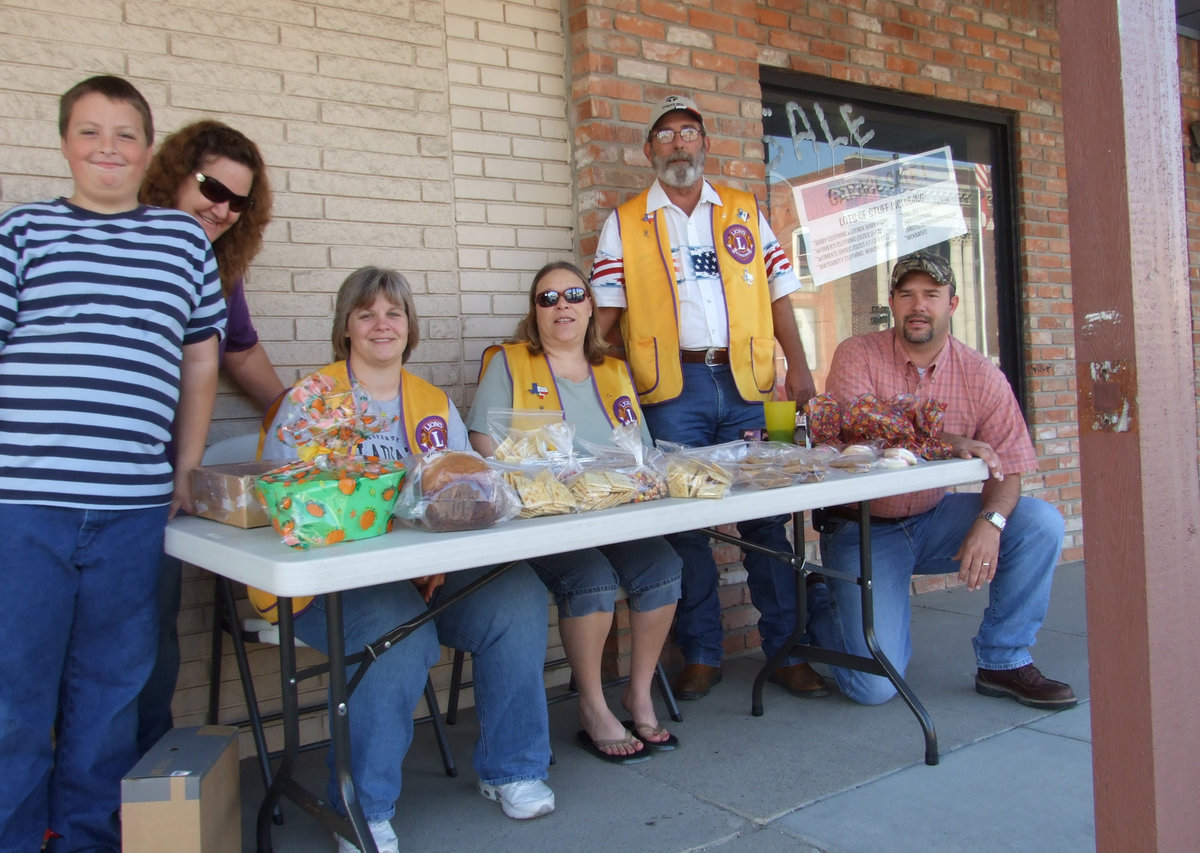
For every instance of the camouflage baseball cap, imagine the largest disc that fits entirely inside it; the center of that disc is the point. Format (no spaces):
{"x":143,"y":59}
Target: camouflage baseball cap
{"x":932,"y":265}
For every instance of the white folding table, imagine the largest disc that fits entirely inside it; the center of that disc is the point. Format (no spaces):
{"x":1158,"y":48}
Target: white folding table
{"x":257,"y":558}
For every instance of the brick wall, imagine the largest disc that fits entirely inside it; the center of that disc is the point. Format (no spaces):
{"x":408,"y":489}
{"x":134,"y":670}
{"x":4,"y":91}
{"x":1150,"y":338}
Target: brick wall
{"x":1001,"y":54}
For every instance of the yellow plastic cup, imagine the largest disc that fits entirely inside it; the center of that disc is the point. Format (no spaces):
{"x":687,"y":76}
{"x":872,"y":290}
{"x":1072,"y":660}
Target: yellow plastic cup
{"x":781,"y":419}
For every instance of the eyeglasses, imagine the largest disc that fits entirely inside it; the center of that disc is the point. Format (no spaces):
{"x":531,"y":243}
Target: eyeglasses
{"x":218,"y":193}
{"x":666,"y":136}
{"x":549,"y":298}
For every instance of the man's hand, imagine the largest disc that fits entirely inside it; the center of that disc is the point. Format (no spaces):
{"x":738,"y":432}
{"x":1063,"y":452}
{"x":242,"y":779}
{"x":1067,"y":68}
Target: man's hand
{"x":799,"y":384}
{"x":967,"y":448}
{"x":979,"y":554}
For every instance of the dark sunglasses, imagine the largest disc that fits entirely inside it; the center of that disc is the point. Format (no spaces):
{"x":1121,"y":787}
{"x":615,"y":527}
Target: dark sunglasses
{"x":549,"y":298}
{"x":218,"y":193}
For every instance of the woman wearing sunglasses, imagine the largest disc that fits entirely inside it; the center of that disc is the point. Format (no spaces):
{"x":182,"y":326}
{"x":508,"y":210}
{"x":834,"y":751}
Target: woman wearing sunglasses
{"x":217,"y":175}
{"x":556,"y":361}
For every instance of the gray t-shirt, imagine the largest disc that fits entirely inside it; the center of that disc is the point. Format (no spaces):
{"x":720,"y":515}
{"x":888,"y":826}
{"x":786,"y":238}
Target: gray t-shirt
{"x":580,"y":401}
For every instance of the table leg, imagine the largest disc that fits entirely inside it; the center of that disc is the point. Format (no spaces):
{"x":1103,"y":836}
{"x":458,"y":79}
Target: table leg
{"x":339,"y":724}
{"x":291,"y":724}
{"x":868,"y":607}
{"x":877,"y":664}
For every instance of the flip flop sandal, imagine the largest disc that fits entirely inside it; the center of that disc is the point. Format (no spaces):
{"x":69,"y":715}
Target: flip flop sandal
{"x":645,"y":731}
{"x":585,"y":742}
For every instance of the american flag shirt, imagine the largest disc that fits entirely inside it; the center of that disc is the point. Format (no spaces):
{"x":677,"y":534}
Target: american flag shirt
{"x":702,"y":317}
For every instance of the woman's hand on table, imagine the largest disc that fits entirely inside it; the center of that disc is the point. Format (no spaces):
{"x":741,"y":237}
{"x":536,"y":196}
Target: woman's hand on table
{"x":428,"y":585}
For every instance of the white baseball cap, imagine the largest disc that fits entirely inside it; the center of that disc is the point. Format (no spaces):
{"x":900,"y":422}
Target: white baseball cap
{"x":669,"y":105}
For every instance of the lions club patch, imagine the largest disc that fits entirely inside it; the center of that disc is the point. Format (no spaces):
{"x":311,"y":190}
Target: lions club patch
{"x":432,"y":433}
{"x":623,"y":410}
{"x":739,"y":242}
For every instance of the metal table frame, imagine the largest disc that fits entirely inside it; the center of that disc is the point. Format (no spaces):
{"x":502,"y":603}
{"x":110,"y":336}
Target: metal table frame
{"x":256,"y":557}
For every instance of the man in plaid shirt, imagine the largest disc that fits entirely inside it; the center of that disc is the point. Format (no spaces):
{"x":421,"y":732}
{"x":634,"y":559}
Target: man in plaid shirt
{"x":994,"y":537}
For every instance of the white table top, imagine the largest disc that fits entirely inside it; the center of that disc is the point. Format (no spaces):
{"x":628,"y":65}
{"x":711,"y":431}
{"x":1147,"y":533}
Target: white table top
{"x":258,"y":558}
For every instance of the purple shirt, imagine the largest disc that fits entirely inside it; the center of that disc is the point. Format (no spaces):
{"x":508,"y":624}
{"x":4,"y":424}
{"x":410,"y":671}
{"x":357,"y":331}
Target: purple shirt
{"x":240,"y":334}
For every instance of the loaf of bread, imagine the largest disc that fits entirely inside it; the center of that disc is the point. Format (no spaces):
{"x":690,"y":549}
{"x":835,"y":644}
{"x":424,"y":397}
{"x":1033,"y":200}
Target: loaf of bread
{"x":459,"y":492}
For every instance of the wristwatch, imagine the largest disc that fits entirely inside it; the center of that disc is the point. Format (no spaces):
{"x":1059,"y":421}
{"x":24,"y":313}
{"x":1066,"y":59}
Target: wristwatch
{"x":994,"y":518}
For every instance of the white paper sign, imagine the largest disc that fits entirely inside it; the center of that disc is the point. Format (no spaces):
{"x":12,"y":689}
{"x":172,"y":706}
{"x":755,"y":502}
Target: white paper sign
{"x":858,"y":220}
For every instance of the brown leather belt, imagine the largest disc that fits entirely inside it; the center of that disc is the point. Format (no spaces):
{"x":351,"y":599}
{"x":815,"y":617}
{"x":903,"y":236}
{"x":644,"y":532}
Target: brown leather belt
{"x":710,"y":356}
{"x":851,"y":514}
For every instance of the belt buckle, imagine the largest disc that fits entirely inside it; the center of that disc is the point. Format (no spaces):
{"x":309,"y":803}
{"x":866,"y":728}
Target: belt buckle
{"x":708,"y":356}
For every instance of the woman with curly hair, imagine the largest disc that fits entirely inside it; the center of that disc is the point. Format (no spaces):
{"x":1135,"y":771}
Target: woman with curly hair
{"x":216,"y":174}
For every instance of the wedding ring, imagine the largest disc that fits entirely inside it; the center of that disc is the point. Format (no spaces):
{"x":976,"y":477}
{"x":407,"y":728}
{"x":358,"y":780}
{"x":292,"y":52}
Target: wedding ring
{"x":987,"y":564}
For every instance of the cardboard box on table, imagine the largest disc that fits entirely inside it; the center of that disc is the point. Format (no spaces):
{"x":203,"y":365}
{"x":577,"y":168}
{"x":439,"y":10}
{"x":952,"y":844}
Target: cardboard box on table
{"x":183,"y":795}
{"x":225,"y":493}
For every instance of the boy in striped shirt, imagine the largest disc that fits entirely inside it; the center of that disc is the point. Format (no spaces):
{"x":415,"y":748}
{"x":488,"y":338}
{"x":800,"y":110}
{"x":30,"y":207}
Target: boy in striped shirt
{"x":110,"y":313}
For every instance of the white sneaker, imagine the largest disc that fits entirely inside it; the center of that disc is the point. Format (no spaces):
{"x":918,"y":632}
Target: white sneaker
{"x":381,"y":831}
{"x":521,"y":800}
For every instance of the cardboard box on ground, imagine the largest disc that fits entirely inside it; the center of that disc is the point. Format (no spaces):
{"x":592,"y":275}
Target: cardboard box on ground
{"x":184,"y":794}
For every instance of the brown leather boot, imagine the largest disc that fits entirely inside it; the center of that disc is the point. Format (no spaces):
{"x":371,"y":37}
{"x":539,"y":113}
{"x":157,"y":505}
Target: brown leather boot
{"x":696,"y":680}
{"x":801,"y":680}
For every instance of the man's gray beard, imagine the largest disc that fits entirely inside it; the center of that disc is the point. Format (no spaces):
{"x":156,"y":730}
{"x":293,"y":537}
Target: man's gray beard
{"x":680,"y":174}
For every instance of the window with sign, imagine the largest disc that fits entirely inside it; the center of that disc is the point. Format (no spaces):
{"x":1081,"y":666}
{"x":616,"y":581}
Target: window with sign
{"x":857,"y":177}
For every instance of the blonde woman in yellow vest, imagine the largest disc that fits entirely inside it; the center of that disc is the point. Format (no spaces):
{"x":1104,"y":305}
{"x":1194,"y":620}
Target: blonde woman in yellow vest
{"x":695,"y":282}
{"x":557,"y":361}
{"x":502,"y":625}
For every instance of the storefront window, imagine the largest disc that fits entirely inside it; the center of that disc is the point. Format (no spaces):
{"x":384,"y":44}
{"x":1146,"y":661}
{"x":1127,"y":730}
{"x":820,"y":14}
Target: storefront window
{"x":856,"y":176}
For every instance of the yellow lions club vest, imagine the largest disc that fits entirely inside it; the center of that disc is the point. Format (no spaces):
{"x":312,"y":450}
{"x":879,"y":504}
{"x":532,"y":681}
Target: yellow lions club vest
{"x":534,"y":387}
{"x":651,"y":332}
{"x":425,"y":411}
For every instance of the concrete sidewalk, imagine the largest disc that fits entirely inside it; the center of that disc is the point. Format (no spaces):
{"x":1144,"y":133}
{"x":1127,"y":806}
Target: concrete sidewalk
{"x":809,"y":775}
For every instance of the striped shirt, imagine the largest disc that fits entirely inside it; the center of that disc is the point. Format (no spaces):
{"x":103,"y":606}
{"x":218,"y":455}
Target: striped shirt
{"x":94,"y":312}
{"x":979,"y":401}
{"x":702,"y":320}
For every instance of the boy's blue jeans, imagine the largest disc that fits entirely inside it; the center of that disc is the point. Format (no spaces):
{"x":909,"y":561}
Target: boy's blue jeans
{"x":925,"y":544}
{"x":503,"y":625}
{"x":80,"y":593}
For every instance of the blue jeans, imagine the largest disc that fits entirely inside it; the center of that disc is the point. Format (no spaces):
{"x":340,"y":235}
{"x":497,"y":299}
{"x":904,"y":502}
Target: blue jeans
{"x":76,"y":645}
{"x":503,"y":625}
{"x":711,"y":411}
{"x":154,"y":703}
{"x":586,"y":581}
{"x":925,"y":544}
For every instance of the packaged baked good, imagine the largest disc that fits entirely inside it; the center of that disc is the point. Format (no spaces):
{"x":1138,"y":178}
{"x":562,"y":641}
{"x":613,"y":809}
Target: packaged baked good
{"x":856,"y":458}
{"x":539,"y":491}
{"x":645,"y":466}
{"x":454,"y":490}
{"x":692,"y":473}
{"x":531,"y":436}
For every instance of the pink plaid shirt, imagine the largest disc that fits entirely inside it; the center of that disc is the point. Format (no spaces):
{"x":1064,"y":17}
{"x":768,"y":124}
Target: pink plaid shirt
{"x":979,"y":401}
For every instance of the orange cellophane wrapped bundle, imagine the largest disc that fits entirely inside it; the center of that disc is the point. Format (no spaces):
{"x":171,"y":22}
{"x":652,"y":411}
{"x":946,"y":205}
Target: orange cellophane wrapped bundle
{"x":904,"y":421}
{"x":330,"y":495}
